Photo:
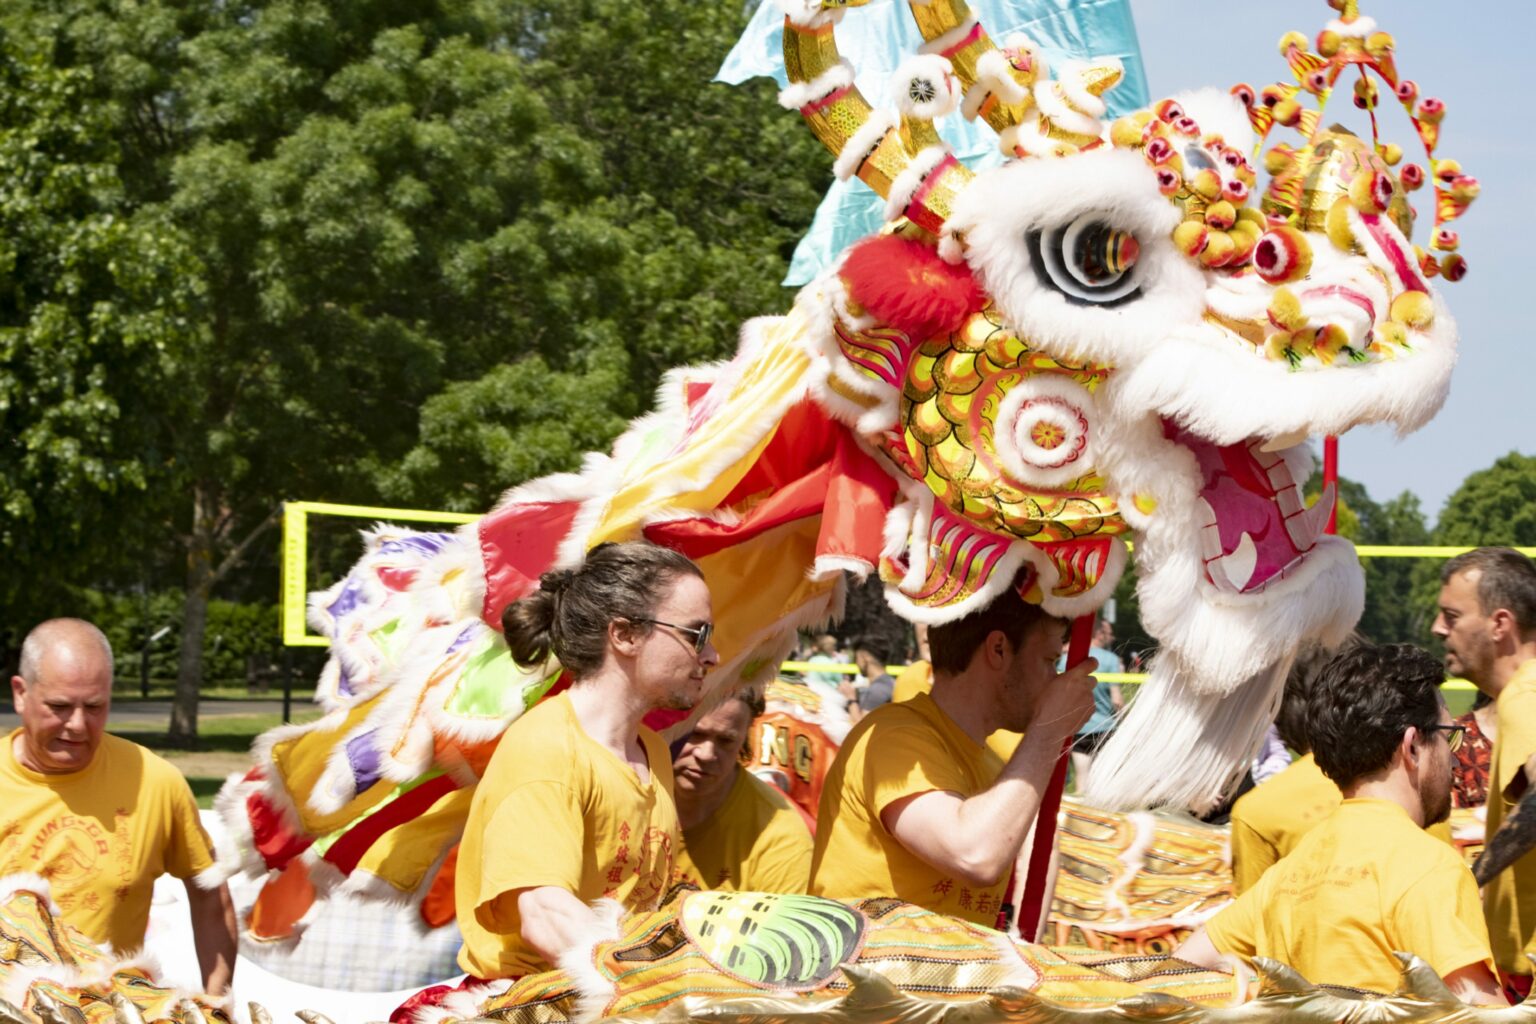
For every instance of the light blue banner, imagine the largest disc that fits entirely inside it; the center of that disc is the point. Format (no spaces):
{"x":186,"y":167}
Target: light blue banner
{"x":878,"y":37}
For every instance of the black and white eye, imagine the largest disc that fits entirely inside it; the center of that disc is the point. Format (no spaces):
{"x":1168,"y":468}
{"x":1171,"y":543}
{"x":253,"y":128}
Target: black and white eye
{"x":1087,"y":261}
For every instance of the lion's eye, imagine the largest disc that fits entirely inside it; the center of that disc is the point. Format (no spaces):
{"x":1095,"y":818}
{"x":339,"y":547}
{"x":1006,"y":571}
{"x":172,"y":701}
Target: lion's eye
{"x":1087,"y":261}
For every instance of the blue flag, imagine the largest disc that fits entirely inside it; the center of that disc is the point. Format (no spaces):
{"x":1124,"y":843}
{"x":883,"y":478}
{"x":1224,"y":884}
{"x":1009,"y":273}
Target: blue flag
{"x":876,"y":39}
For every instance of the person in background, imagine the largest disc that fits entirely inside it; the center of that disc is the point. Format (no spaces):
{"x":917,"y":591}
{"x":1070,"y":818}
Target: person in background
{"x":576,"y":803}
{"x":1487,"y":622}
{"x":739,"y":833}
{"x":1107,"y":702}
{"x":878,"y":686}
{"x":1272,"y":758}
{"x":98,"y":816}
{"x":915,"y":806}
{"x":1469,"y":786}
{"x":1367,"y":880}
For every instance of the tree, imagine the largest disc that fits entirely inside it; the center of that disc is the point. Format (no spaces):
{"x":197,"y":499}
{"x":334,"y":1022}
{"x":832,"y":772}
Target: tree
{"x":1493,"y":506}
{"x":336,"y":212}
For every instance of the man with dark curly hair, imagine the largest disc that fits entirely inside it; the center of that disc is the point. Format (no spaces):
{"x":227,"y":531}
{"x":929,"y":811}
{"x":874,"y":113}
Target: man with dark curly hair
{"x":1368,"y":881}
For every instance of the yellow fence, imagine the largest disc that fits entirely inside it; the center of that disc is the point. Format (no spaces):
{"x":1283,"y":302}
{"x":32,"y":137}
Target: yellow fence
{"x":296,"y":559}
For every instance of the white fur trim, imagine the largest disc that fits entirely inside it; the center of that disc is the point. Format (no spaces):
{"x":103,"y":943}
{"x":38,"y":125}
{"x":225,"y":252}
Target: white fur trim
{"x":937,"y":76}
{"x":911,"y":179}
{"x":797,"y":95}
{"x":22,"y":881}
{"x":1361,"y":27}
{"x":949,"y":40}
{"x":995,"y":75}
{"x":595,"y":991}
{"x":862,"y":142}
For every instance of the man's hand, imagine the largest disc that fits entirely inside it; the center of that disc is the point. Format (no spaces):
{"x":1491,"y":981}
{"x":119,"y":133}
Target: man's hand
{"x":1067,"y":702}
{"x":213,"y":935}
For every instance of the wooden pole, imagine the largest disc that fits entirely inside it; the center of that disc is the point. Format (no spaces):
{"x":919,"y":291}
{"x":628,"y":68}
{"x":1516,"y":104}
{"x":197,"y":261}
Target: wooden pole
{"x":1036,"y":880}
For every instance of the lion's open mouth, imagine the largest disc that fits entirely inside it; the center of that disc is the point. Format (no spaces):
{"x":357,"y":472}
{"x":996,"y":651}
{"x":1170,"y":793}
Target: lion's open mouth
{"x":1257,"y":529}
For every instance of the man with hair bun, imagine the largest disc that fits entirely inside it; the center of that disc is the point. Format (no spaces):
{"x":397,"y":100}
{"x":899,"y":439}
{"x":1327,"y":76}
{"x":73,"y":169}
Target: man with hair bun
{"x":576,"y":803}
{"x":1368,"y":881}
{"x":1487,"y":621}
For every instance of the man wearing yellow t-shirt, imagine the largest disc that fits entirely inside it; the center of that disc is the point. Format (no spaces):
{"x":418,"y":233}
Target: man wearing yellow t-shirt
{"x":915,"y":805}
{"x":1369,"y":881}
{"x":917,"y":678}
{"x":739,"y":833}
{"x":1487,"y":621}
{"x":576,"y":803}
{"x":98,"y":817}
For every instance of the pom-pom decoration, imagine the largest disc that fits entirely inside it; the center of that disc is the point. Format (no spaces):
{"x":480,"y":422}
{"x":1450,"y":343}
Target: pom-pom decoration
{"x":906,"y":285}
{"x":1350,"y":44}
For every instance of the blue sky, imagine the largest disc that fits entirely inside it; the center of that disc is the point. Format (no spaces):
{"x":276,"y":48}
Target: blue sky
{"x":1479,"y":63}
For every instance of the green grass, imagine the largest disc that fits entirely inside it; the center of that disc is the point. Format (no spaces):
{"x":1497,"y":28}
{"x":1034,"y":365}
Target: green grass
{"x":223,"y":746}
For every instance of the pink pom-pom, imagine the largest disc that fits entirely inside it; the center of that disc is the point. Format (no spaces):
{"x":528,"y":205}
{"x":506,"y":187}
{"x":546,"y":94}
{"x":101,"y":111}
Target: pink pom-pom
{"x":1412,"y":176}
{"x":1407,"y":90}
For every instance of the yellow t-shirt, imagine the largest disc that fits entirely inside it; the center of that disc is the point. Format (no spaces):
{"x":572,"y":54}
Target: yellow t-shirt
{"x":897,"y":751}
{"x":754,"y":842}
{"x":102,"y":835}
{"x":1362,"y":884}
{"x":557,"y":808}
{"x":917,"y":678}
{"x":1270,"y":819}
{"x":1509,"y":899}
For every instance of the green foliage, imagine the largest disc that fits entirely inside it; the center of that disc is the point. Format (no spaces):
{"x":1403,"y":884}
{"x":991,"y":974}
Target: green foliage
{"x":1493,"y":506}
{"x":240,"y":637}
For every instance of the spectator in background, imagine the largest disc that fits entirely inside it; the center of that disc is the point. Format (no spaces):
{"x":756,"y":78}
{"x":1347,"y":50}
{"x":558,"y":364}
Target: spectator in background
{"x":739,"y":833}
{"x":824,"y":652}
{"x":1272,"y":758}
{"x":98,"y":816}
{"x":1107,"y":702}
{"x":1487,"y":621}
{"x":1469,"y":787}
{"x":878,"y":686}
{"x":1367,"y":881}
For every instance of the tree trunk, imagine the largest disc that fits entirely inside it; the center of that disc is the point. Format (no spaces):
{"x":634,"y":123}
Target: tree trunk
{"x":194,"y":617}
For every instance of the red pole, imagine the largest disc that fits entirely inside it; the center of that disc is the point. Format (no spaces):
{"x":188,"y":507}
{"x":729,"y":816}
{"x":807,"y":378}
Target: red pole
{"x":1035,"y":881}
{"x":1331,"y":476}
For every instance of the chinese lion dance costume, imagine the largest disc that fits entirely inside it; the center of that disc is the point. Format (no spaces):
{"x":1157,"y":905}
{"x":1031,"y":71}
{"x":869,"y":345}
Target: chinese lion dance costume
{"x":1118,"y":334}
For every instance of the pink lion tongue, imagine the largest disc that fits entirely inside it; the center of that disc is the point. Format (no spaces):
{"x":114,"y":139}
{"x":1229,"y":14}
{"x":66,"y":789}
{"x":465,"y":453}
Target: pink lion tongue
{"x":1257,"y":528}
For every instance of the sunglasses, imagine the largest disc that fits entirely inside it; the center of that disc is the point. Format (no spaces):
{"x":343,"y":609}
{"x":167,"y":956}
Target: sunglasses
{"x":1454,"y":734}
{"x":698,"y":634}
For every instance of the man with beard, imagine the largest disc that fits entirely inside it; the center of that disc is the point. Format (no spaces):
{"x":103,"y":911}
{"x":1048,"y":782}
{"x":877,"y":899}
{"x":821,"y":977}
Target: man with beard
{"x":576,"y":804}
{"x":1369,"y":881}
{"x":916,"y":806}
{"x":1487,"y":620}
{"x":739,"y":833}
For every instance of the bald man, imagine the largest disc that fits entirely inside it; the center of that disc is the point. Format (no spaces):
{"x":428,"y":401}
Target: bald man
{"x":97,"y":816}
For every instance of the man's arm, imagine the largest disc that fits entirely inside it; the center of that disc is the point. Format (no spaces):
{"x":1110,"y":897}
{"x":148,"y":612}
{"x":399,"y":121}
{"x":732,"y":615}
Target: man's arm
{"x":552,"y":920}
{"x":213,"y":933}
{"x":1516,"y":836}
{"x":978,"y":838}
{"x":1200,"y":951}
{"x":1477,"y":985}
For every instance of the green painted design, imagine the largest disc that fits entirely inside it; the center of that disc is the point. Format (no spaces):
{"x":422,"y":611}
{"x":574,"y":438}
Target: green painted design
{"x":387,"y":637}
{"x":773,"y":940}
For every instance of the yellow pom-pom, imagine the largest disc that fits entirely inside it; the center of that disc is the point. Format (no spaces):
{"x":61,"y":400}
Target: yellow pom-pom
{"x":1415,"y":309}
{"x":1390,"y":152}
{"x":1371,"y":191}
{"x":1279,"y":160}
{"x":1190,"y":237}
{"x":1146,"y":504}
{"x":1125,"y":133}
{"x":1250,"y":215}
{"x":1285,"y":310}
{"x":1206,"y":184}
{"x":1379,"y":44}
{"x":1291,"y":39}
{"x":1220,"y":215}
{"x":1329,"y":341}
{"x":1336,"y":225}
{"x":1287,"y":112}
{"x":1301,"y":342}
{"x":1219,"y":249}
{"x":1453,"y":266}
{"x":1392,"y":333}
{"x":1275,"y":346}
{"x":1327,"y":42}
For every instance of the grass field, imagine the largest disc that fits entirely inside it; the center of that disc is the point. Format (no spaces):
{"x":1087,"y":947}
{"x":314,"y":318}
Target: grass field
{"x":224,"y":744}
